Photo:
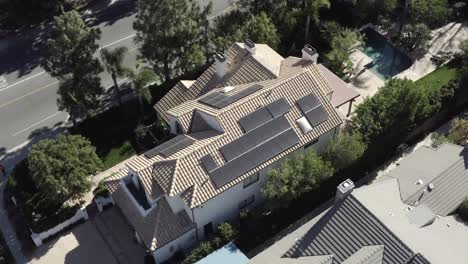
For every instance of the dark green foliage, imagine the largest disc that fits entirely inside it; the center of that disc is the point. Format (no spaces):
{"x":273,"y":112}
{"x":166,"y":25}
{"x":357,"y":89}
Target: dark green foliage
{"x":297,"y":175}
{"x":172,"y":35}
{"x":463,"y":210}
{"x":224,"y":234}
{"x":69,"y":57}
{"x":342,"y":45}
{"x":61,"y":168}
{"x":227,"y":30}
{"x":415,"y":37}
{"x":203,"y":250}
{"x":101,"y":190}
{"x":345,"y":149}
{"x":433,"y":13}
{"x":391,"y":112}
{"x":71,"y":47}
{"x":260,"y":29}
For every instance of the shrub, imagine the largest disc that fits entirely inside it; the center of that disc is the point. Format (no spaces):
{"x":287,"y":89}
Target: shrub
{"x":203,"y":250}
{"x":463,"y":210}
{"x":227,"y":232}
{"x":345,"y":149}
{"x":101,"y":190}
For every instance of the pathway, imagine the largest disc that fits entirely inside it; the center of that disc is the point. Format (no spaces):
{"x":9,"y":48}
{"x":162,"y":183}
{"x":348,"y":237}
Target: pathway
{"x":8,"y":231}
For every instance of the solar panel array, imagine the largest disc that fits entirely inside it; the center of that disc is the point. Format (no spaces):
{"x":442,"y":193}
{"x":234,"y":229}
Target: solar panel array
{"x":252,"y":149}
{"x":208,"y":163}
{"x":264,"y":114}
{"x":220,"y":100}
{"x":170,"y":147}
{"x":312,"y":109}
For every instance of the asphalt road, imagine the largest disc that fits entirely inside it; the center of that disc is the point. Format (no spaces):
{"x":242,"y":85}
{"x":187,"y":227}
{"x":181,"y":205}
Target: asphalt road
{"x":28,"y":95}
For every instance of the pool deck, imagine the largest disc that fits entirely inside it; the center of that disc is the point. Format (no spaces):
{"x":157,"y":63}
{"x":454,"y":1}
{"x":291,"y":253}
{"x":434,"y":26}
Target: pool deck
{"x":446,"y":38}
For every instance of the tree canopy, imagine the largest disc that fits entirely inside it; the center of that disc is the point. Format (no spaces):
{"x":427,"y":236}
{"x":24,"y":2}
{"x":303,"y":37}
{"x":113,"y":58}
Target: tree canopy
{"x":172,"y":35}
{"x":61,"y":168}
{"x":69,"y":57}
{"x":71,"y":47}
{"x":297,"y":175}
{"x":113,"y":64}
{"x":433,"y":13}
{"x":260,"y":29}
{"x":415,"y":37}
{"x":342,"y":45}
{"x":391,"y":112}
{"x":344,"y":149}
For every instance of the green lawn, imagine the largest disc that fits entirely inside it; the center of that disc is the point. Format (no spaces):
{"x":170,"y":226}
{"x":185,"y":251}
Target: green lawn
{"x":440,"y":77}
{"x":118,"y":154}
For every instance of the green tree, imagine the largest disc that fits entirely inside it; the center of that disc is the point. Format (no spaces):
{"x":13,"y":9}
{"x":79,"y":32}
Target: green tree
{"x":171,"y":34}
{"x":260,"y":29}
{"x":329,"y":30}
{"x":113,"y":64}
{"x":391,"y":112}
{"x":297,"y":175}
{"x":338,"y":59}
{"x":345,"y":149}
{"x":415,"y":37}
{"x":312,"y":13}
{"x":61,"y":168}
{"x":433,"y":13}
{"x":227,"y":30}
{"x":141,"y":78}
{"x":464,"y":56}
{"x":80,"y":95}
{"x":71,"y":47}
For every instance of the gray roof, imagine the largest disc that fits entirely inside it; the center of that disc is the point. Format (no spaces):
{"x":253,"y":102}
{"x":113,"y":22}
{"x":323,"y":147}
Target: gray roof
{"x":346,"y":231}
{"x":419,"y":259}
{"x":446,"y":168}
{"x":367,"y":255}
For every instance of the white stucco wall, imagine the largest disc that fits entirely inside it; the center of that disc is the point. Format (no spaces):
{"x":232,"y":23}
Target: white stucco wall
{"x":183,"y":242}
{"x":172,"y":124}
{"x":212,"y":121}
{"x":226,"y":205}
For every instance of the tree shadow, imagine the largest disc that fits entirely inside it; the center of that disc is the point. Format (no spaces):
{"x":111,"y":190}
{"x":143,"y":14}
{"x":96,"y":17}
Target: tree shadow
{"x":107,"y":14}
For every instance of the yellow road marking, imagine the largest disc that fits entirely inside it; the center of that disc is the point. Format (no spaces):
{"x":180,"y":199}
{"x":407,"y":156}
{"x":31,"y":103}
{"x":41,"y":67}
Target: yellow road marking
{"x":26,"y":95}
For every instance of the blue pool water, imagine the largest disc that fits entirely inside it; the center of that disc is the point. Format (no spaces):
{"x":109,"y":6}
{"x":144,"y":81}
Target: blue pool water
{"x":387,"y":60}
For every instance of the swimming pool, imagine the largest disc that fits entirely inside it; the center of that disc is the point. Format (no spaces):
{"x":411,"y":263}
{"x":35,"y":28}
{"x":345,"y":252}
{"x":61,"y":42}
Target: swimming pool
{"x":388,"y":61}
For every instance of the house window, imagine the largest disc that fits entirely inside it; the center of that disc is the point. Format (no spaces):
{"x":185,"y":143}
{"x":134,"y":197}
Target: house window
{"x":208,"y":229}
{"x":310,"y":144}
{"x":251,"y":180}
{"x":247,"y":202}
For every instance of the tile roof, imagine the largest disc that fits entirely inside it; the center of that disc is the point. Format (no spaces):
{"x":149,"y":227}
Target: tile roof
{"x":345,"y":230}
{"x":186,"y":169}
{"x":242,"y":68}
{"x":160,"y":226}
{"x":449,"y":178}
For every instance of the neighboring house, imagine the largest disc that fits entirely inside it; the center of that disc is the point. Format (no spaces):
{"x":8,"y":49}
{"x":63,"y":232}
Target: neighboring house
{"x":403,"y":218}
{"x":243,"y":115}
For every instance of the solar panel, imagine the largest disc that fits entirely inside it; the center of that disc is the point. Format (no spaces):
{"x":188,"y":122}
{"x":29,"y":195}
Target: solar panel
{"x":308,"y":102}
{"x":170,"y":147}
{"x":183,"y":142}
{"x":248,"y":161}
{"x":220,"y":100}
{"x":278,"y":107}
{"x":255,"y":119}
{"x":208,"y":163}
{"x":317,"y":115}
{"x":253,"y":138}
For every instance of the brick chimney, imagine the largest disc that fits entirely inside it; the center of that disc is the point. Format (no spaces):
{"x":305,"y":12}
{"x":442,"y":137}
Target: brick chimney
{"x":309,"y":53}
{"x":221,"y":65}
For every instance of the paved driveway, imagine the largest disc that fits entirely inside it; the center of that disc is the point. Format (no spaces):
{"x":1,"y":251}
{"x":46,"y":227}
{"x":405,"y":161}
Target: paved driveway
{"x":105,"y":239}
{"x":83,"y":244}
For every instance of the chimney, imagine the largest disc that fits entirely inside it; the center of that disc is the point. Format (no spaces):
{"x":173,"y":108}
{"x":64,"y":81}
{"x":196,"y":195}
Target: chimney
{"x":344,"y":189}
{"x":221,"y":65}
{"x":249,"y":45}
{"x":309,"y":53}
